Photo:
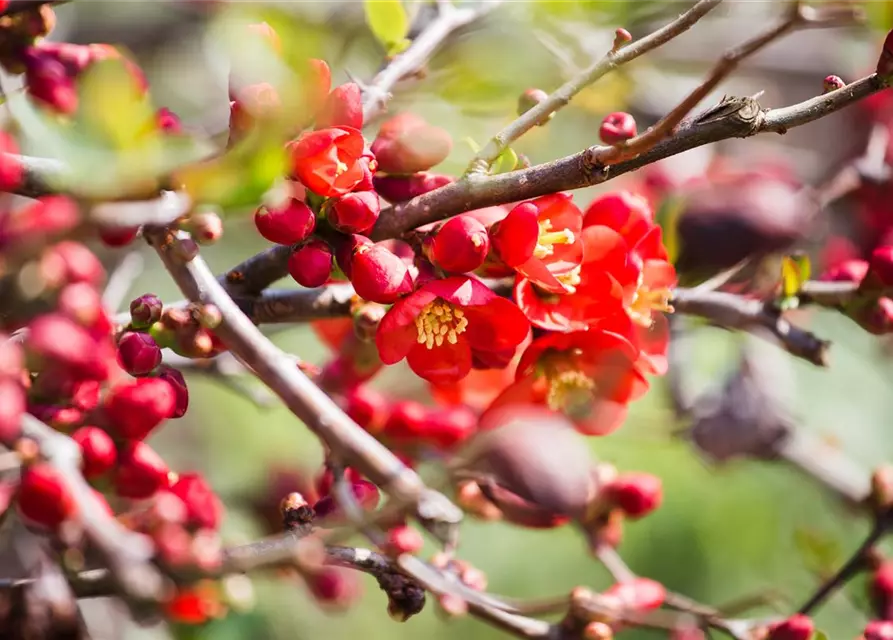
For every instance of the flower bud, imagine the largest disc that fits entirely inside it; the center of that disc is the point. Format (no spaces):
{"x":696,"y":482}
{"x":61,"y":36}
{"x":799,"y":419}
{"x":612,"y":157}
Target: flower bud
{"x":138,"y":354}
{"x":617,"y":127}
{"x":880,"y":269}
{"x":316,"y":80}
{"x":141,"y":472}
{"x":354,"y":212}
{"x":877,"y":319}
{"x":11,"y":170}
{"x":98,"y":452}
{"x":514,"y":238}
{"x":408,"y":144}
{"x":637,"y":494}
{"x":12,"y":406}
{"x":397,"y":189}
{"x":43,"y":497}
{"x":311,"y":264}
{"x":880,"y":590}
{"x":345,"y":249}
{"x":48,"y":82}
{"x":145,"y":310}
{"x":85,"y":394}
{"x":621,"y":37}
{"x":203,"y":507}
{"x":446,"y":427}
{"x":403,"y":539}
{"x":206,"y":227}
{"x":335,"y":587}
{"x":832,"y":83}
{"x":367,"y":407}
{"x":885,"y":61}
{"x":529,"y":99}
{"x":797,"y":627}
{"x":878,"y":630}
{"x":39,"y":220}
{"x":168,"y":122}
{"x":365,"y":493}
{"x":638,"y":594}
{"x":175,"y":378}
{"x":118,"y":236}
{"x":289,"y":224}
{"x":326,"y":479}
{"x":378,"y":275}
{"x":460,"y":245}
{"x":68,"y":261}
{"x":344,"y":107}
{"x":54,"y":338}
{"x":853,"y":271}
{"x":135,"y":408}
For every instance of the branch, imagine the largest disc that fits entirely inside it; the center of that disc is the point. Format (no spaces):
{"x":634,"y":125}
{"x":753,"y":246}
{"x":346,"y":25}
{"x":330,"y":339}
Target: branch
{"x":377,"y":93}
{"x":127,"y":554}
{"x":582,"y":169}
{"x":563,"y":95}
{"x":735,"y":312}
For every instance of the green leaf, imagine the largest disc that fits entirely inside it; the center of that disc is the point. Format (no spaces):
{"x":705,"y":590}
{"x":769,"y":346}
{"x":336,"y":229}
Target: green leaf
{"x":475,"y":147}
{"x":820,"y":553}
{"x":507,"y":161}
{"x":795,"y":270}
{"x":820,"y":635}
{"x":389,"y":23}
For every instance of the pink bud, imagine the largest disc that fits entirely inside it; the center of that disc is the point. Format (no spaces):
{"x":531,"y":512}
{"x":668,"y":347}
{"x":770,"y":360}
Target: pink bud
{"x":203,"y":507}
{"x":398,"y":189}
{"x":134,"y":409}
{"x":344,"y":107}
{"x":637,"y":494}
{"x":141,"y":472}
{"x":138,"y":354}
{"x":206,"y":227}
{"x":82,"y":303}
{"x":378,"y":275}
{"x":49,"y":82}
{"x":639,"y":594}
{"x":832,"y":83}
{"x":446,"y":427}
{"x":403,"y":539}
{"x":407,"y":421}
{"x":354,"y":212}
{"x":797,"y":627}
{"x":70,"y":261}
{"x":408,"y":144}
{"x":366,"y":494}
{"x":853,"y":271}
{"x":617,"y":127}
{"x":11,"y":357}
{"x":621,"y":37}
{"x":289,"y":224}
{"x":460,"y":245}
{"x":98,"y":452}
{"x":880,"y":268}
{"x":145,"y":310}
{"x":175,"y":378}
{"x":311,"y":264}
{"x":168,"y":121}
{"x":43,"y":497}
{"x":334,"y":587}
{"x":878,"y":630}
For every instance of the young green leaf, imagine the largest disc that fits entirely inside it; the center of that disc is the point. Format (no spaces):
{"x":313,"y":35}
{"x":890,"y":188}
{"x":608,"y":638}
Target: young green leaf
{"x":389,"y":23}
{"x":507,"y":161}
{"x":795,"y":271}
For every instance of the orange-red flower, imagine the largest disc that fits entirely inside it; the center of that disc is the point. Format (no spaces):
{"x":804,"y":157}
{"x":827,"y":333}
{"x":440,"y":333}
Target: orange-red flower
{"x":540,"y":239}
{"x":436,"y":328}
{"x":590,"y":376}
{"x":328,"y":161}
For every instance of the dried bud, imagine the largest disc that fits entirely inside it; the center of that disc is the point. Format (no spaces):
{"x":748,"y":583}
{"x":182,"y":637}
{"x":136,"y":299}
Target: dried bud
{"x":98,"y":452}
{"x":136,"y":408}
{"x":295,"y":511}
{"x":141,"y":472}
{"x":797,"y":627}
{"x":203,"y":507}
{"x":617,"y":127}
{"x":289,"y":224}
{"x":311,"y":264}
{"x":118,"y":236}
{"x":460,"y":245}
{"x":621,"y":37}
{"x":397,"y":189}
{"x":529,"y":99}
{"x":354,"y":212}
{"x":408,"y":144}
{"x":138,"y":354}
{"x":378,"y":275}
{"x":514,"y":238}
{"x":43,"y":497}
{"x":637,"y":494}
{"x":832,"y":83}
{"x":206,"y":227}
{"x":344,"y":107}
{"x":145,"y":310}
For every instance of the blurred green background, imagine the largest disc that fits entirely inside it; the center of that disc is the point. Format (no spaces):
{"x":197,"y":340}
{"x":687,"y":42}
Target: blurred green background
{"x":723,"y":532}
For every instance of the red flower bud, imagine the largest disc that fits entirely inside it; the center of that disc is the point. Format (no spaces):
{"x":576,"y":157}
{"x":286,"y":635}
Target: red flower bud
{"x":885,"y":61}
{"x":328,"y":161}
{"x":408,"y":144}
{"x":449,"y":426}
{"x":12,"y":406}
{"x":514,"y":238}
{"x":168,"y":121}
{"x":617,"y":127}
{"x":175,"y":378}
{"x":403,"y":539}
{"x":68,"y":261}
{"x":880,"y":268}
{"x":460,"y":245}
{"x":878,"y":630}
{"x":98,"y":452}
{"x":407,"y":421}
{"x":58,"y":417}
{"x":54,"y":338}
{"x":334,"y":587}
{"x":145,"y":310}
{"x":639,"y":594}
{"x":48,"y":81}
{"x":354,"y":212}
{"x":118,"y":236}
{"x":832,"y":83}
{"x":311,"y":264}
{"x":135,"y":408}
{"x":43,"y":497}
{"x":345,"y":249}
{"x":141,"y":472}
{"x":367,"y":407}
{"x":138,"y":354}
{"x":343,"y":107}
{"x":529,"y":99}
{"x":378,"y":275}
{"x":877,"y":319}
{"x":848,"y":271}
{"x":85,"y":395}
{"x":621,"y":37}
{"x":82,"y":303}
{"x":11,"y":170}
{"x":880,"y":590}
{"x":206,"y":227}
{"x":637,"y":494}
{"x":797,"y":627}
{"x":203,"y":507}
{"x":325,"y":480}
{"x":288,"y":224}
{"x":39,"y":220}
{"x":397,"y":189}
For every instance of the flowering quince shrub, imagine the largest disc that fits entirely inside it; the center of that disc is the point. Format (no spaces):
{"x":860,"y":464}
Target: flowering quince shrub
{"x":530,"y":322}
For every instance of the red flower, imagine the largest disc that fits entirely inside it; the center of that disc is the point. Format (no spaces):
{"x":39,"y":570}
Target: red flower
{"x":588,"y":375}
{"x":437,"y":326}
{"x":328,"y":161}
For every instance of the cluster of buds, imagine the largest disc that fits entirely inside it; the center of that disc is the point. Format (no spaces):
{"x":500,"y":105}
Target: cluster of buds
{"x":871,"y":307}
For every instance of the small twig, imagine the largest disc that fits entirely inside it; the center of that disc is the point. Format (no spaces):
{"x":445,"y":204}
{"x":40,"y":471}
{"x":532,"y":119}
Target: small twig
{"x":564,"y":94}
{"x":128,"y":269}
{"x":615,"y":565}
{"x":225,"y":370}
{"x":168,"y":207}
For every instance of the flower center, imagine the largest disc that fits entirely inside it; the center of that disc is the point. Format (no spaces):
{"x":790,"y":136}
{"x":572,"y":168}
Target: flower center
{"x":570,"y":391}
{"x":439,"y":321}
{"x":340,"y":168}
{"x":547,"y":238}
{"x":570,"y":279}
{"x":646,"y":301}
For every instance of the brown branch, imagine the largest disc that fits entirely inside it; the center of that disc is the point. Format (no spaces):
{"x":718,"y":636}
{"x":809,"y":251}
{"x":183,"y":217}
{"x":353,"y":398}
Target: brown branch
{"x":563,"y":95}
{"x":127,"y":554}
{"x":736,"y":312}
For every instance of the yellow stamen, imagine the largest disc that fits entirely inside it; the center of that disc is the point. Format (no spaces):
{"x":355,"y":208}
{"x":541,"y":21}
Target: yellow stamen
{"x":439,"y":321}
{"x":340,"y":168}
{"x":547,"y":238}
{"x":646,"y":302}
{"x":569,"y":391}
{"x":570,"y":279}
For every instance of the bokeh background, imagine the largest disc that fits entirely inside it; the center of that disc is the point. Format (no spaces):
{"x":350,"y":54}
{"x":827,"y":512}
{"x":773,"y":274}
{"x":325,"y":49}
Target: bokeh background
{"x":740,"y":529}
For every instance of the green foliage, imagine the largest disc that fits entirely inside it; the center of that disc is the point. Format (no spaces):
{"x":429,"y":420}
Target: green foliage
{"x":507,"y":161}
{"x":667,"y":217}
{"x":389,"y":23}
{"x":795,"y":270}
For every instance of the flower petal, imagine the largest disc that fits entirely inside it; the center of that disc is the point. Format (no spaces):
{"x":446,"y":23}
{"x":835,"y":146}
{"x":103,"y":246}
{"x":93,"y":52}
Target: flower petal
{"x":397,"y":333}
{"x":496,"y":326}
{"x":443,"y":364}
